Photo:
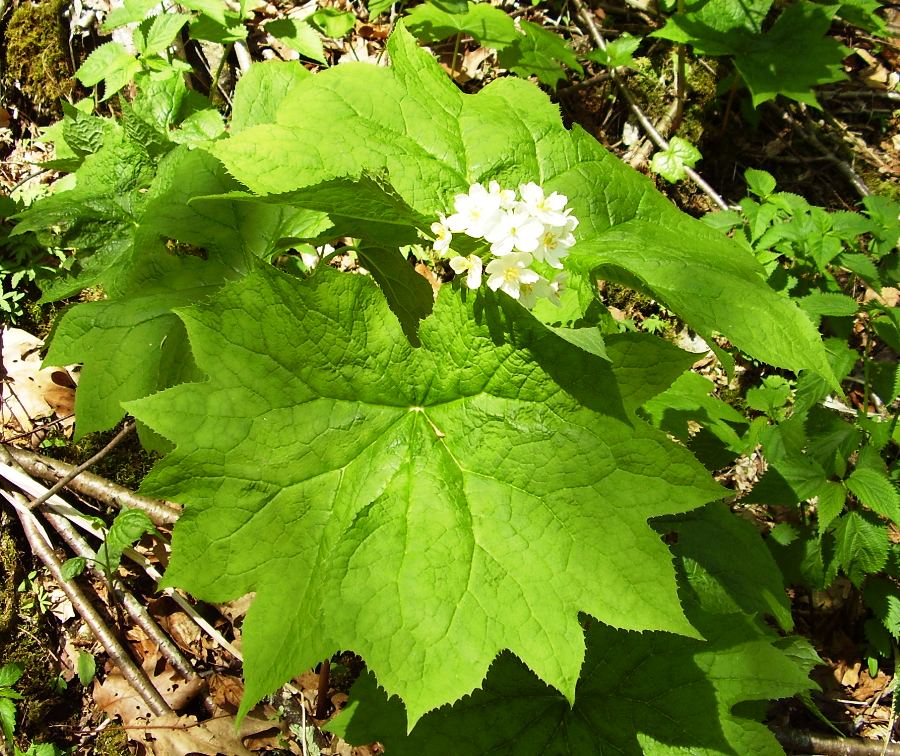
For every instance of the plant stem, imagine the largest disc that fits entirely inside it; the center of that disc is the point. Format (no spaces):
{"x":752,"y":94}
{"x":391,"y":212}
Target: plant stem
{"x":43,"y":550}
{"x":215,"y":81}
{"x":322,"y":695}
{"x":455,"y":51}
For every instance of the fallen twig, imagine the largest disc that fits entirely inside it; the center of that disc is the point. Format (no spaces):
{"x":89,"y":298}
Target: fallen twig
{"x":96,"y":487}
{"x":645,"y":123}
{"x":842,"y":166}
{"x":799,"y":741}
{"x":43,"y":550}
{"x":61,"y":484}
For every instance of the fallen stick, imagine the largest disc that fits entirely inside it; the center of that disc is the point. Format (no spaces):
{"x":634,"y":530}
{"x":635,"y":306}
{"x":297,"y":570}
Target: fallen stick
{"x":642,"y":118}
{"x":43,"y":550}
{"x":89,"y":484}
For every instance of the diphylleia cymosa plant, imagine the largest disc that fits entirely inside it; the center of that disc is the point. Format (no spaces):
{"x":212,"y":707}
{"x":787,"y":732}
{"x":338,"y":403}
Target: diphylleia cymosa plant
{"x":461,"y":489}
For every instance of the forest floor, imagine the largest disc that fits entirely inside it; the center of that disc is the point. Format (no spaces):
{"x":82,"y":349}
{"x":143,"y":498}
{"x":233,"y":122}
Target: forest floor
{"x":831,"y":156}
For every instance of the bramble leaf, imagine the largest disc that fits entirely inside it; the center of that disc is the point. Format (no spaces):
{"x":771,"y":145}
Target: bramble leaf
{"x":433,"y":141}
{"x":110,"y":63}
{"x":618,"y":52}
{"x":487,"y":491}
{"x":875,"y":490}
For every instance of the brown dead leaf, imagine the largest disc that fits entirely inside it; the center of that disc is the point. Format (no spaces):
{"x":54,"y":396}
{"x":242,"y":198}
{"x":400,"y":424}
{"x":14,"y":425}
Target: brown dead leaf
{"x":165,"y":736}
{"x":116,"y":697}
{"x":30,"y":392}
{"x":226,"y":691}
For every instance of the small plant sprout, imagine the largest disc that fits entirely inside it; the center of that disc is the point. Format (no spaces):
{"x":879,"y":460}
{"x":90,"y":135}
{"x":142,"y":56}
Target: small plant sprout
{"x":522,"y":228}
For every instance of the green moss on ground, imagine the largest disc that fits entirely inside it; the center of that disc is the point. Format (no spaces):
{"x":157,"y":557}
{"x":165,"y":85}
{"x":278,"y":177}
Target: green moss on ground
{"x":36,"y":59}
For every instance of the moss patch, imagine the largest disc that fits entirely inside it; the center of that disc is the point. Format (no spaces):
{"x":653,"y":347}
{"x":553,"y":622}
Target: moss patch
{"x":36,"y":59}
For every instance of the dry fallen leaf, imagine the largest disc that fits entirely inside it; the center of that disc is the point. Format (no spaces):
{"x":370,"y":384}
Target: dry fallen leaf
{"x":29,"y":392}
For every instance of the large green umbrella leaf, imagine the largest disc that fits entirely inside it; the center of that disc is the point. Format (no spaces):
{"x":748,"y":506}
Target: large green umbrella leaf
{"x":427,"y":507}
{"x":651,"y":693}
{"x":433,"y":141}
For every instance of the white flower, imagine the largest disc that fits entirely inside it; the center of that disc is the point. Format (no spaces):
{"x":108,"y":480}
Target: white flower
{"x":507,"y":196}
{"x":548,"y":210}
{"x":543,"y":289}
{"x":510,"y":272}
{"x":476,"y":212}
{"x":514,"y":230}
{"x":470,"y":264}
{"x":554,"y":242}
{"x":442,"y":236}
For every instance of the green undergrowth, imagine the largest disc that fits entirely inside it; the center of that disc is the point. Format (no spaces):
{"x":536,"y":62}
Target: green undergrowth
{"x":26,"y":635}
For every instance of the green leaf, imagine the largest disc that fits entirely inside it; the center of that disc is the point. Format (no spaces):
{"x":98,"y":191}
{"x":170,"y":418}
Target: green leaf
{"x":433,"y":142}
{"x":131,"y":11}
{"x":708,"y":540}
{"x":875,"y":490}
{"x":87,"y":667}
{"x":262,"y":90}
{"x":648,"y":693}
{"x":618,"y":52}
{"x":645,"y":366}
{"x":215,"y":10}
{"x":7,"y":718}
{"x":760,"y":183}
{"x":199,"y":128}
{"x":96,"y":218}
{"x":789,"y":59}
{"x":821,"y":303}
{"x":832,"y":498}
{"x":864,"y":14}
{"x":861,"y":546}
{"x":688,"y":401}
{"x":376,"y":7}
{"x":126,"y":530}
{"x":73,"y":567}
{"x":10,"y":674}
{"x":794,"y":56}
{"x":457,"y":477}
{"x":491,"y":26}
{"x":132,"y":345}
{"x":882,"y":597}
{"x":773,"y":394}
{"x":671,"y":162}
{"x":162,"y":32}
{"x":541,"y":53}
{"x":408,"y":294}
{"x":333,"y":22}
{"x":299,"y":36}
{"x":110,"y":63}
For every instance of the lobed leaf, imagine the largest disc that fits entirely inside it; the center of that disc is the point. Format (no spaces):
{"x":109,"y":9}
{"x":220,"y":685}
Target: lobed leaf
{"x":426,"y":507}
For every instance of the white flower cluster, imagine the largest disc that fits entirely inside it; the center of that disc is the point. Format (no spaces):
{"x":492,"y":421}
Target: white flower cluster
{"x":520,"y":229}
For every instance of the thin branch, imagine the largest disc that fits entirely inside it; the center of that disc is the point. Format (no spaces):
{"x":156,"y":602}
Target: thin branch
{"x":645,"y":123}
{"x":61,"y":484}
{"x":843,"y":167}
{"x":43,"y":550}
{"x":134,"y":608}
{"x":94,"y":486}
{"x":798,"y":741}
